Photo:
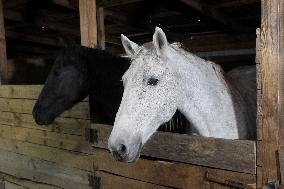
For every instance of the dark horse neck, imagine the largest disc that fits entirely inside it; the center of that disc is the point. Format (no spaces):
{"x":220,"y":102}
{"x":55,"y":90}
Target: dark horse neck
{"x":105,"y":71}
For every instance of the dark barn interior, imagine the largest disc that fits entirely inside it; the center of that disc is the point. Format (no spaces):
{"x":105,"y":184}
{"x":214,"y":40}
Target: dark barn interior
{"x":73,"y":152}
{"x":221,"y":30}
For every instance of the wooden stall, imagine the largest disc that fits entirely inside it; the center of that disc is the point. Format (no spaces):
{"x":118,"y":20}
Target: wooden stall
{"x":72,"y":153}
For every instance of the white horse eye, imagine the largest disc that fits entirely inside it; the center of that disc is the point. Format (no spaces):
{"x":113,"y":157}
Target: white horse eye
{"x":152,"y":81}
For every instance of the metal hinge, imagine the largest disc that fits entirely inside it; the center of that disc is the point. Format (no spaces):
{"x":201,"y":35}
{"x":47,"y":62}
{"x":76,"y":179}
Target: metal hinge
{"x":94,"y":181}
{"x":91,"y":135}
{"x":228,"y":182}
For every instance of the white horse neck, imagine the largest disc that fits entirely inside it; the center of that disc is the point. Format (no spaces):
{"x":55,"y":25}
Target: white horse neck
{"x":208,"y":101}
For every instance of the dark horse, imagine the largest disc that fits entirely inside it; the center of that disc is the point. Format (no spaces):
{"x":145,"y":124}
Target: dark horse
{"x":78,"y":72}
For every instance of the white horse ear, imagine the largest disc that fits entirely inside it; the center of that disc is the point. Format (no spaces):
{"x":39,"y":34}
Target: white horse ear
{"x":160,"y":41}
{"x":130,"y":47}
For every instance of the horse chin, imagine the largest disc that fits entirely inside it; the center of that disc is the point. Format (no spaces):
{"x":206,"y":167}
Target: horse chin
{"x":41,"y":118}
{"x":44,"y":122}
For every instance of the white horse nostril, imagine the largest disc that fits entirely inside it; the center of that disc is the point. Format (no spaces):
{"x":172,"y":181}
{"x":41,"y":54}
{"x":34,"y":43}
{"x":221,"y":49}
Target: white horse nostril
{"x":122,"y":149}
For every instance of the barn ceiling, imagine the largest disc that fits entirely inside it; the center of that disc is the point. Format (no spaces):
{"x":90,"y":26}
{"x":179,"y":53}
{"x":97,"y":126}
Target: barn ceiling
{"x":33,"y":27}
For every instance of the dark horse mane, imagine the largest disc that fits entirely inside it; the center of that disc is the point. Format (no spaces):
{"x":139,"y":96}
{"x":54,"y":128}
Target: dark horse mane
{"x":105,"y":103}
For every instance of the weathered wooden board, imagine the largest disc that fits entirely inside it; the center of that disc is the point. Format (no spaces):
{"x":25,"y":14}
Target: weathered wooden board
{"x":64,"y":141}
{"x":88,"y":22}
{"x":101,"y":28}
{"x":36,"y":169}
{"x":10,"y":185}
{"x":22,"y":91}
{"x":272,"y":77}
{"x":157,"y":172}
{"x":81,"y":110}
{"x":61,"y":125}
{"x":3,"y":56}
{"x":42,"y":171}
{"x":236,"y":155}
{"x":218,"y":153}
{"x":11,"y":181}
{"x":281,"y":164}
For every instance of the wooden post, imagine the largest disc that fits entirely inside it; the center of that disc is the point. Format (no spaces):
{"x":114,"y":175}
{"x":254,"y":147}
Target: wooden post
{"x":88,"y":22}
{"x":272,"y":67}
{"x":101,"y":28}
{"x":3,"y":56}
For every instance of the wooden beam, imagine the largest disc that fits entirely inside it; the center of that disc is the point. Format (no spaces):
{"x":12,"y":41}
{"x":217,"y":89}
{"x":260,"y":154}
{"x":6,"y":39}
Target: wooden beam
{"x":112,"y":3}
{"x":209,"y":11}
{"x":101,"y":28}
{"x":43,"y":22}
{"x":32,"y":38}
{"x":3,"y":56}
{"x":235,"y":3}
{"x":74,"y":5}
{"x":230,"y":154}
{"x":272,"y":67}
{"x":88,"y":22}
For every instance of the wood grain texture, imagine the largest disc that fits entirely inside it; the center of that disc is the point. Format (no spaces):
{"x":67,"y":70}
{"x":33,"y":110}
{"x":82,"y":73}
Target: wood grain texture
{"x":23,"y":91}
{"x":80,"y":110}
{"x":88,"y":22}
{"x":272,"y":85}
{"x":33,"y":168}
{"x":66,"y":147}
{"x":101,"y":28}
{"x":281,"y":164}
{"x":236,"y":155}
{"x":42,"y":171}
{"x":11,"y":181}
{"x":61,"y":125}
{"x":3,"y":56}
{"x":176,"y":175}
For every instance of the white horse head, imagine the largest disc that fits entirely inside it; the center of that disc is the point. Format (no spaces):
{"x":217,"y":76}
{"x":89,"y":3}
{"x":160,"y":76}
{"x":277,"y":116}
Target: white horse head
{"x":150,"y":98}
{"x":162,"y":79}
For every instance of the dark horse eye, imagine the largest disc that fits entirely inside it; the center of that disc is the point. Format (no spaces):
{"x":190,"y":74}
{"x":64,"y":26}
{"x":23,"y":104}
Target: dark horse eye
{"x":152,"y":81}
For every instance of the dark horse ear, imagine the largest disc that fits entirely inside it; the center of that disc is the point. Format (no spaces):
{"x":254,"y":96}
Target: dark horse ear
{"x":67,"y":42}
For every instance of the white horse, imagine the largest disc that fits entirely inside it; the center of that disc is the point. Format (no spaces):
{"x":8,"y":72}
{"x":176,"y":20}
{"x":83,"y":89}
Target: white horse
{"x":166,"y":78}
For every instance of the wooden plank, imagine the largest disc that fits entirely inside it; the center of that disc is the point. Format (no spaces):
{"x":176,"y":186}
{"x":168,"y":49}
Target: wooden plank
{"x":272,"y":37}
{"x":39,"y":170}
{"x":281,"y":164}
{"x":81,"y":110}
{"x":61,"y":125}
{"x":112,"y":3}
{"x":3,"y":56}
{"x":110,"y":181}
{"x":101,"y":28}
{"x":169,"y":174}
{"x":42,"y":171}
{"x":259,"y":115}
{"x":25,"y":183}
{"x":32,"y":38}
{"x":236,"y":155}
{"x":88,"y":22}
{"x":10,"y":185}
{"x":235,"y":3}
{"x":213,"y":13}
{"x":63,"y":141}
{"x":22,"y":91}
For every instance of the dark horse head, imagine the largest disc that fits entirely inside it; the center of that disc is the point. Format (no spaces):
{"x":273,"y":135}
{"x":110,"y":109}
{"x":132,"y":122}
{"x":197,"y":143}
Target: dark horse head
{"x":66,"y":84}
{"x":78,"y":72}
